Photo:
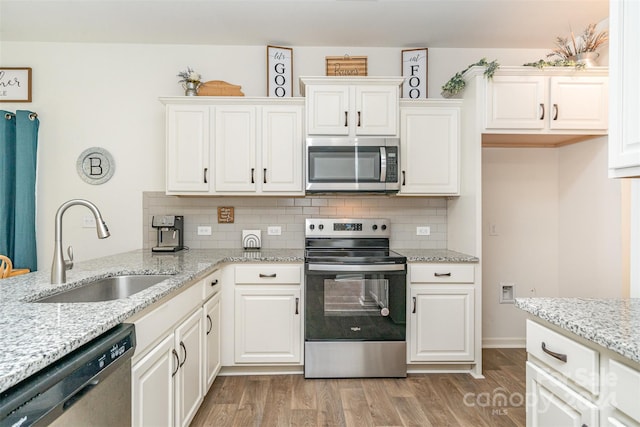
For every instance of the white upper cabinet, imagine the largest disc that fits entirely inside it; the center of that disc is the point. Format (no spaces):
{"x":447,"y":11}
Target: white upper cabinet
{"x":187,"y":149}
{"x":624,"y":59}
{"x":429,"y":147}
{"x":364,"y":106}
{"x":234,"y":146}
{"x":532,"y":101}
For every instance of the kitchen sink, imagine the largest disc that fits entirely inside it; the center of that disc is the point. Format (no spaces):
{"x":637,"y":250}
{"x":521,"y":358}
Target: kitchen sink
{"x":108,"y":288}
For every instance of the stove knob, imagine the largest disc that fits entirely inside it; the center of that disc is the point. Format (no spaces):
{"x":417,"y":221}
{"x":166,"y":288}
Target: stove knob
{"x":384,"y":312}
{"x":312,"y":226}
{"x":321,"y":227}
{"x":375,"y":227}
{"x":384,"y":227}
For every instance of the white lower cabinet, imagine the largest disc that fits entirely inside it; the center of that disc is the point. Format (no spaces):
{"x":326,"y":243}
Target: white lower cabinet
{"x":556,"y":404}
{"x":267,"y":325}
{"x":442,"y":313}
{"x":574,"y":382}
{"x":211,"y":358}
{"x":166,"y":383}
{"x":442,"y":323}
{"x":267,"y":314}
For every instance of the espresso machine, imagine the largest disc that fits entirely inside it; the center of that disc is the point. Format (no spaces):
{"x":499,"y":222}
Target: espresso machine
{"x":170,"y":230}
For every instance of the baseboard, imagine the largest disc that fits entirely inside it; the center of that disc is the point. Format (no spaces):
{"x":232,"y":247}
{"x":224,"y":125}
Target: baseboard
{"x":513,"y":342}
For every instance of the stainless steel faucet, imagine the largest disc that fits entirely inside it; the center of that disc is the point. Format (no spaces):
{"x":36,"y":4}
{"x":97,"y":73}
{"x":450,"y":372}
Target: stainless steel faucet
{"x":60,"y":266}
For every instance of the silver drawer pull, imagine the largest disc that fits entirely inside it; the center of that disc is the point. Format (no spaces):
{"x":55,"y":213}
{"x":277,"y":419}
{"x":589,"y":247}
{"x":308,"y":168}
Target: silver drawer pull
{"x":267,"y":276}
{"x":442,"y":274}
{"x":559,"y":356}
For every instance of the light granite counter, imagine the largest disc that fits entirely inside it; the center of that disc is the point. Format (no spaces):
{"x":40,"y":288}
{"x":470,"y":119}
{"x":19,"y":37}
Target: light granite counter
{"x":436,"y":255}
{"x":36,"y":334}
{"x":610,"y":323}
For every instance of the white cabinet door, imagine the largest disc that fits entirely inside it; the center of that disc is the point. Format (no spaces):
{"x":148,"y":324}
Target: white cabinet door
{"x":268,"y":324}
{"x":442,"y":323}
{"x":547,"y":103}
{"x":551,"y":403}
{"x":429,"y":151}
{"x":211,"y":356}
{"x":328,"y":110}
{"x":282,"y":149}
{"x":235,"y":149}
{"x":152,"y":393}
{"x":187,"y":154}
{"x":355,"y":110}
{"x":188,"y":380}
{"x":624,"y":60}
{"x":516,"y":102}
{"x":579,"y":103}
{"x":376,"y":110}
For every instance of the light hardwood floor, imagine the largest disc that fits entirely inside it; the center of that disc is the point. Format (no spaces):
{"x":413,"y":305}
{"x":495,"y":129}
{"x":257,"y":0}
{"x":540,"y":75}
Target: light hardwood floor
{"x":419,"y":400}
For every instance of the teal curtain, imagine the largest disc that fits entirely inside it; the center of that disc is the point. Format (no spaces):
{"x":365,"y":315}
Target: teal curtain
{"x":18,"y":165}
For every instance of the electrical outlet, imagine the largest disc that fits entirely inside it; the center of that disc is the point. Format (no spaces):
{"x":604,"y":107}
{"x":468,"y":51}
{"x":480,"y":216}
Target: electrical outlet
{"x":274,"y":230}
{"x":493,"y":229}
{"x":88,"y":222}
{"x":507,"y":293}
{"x":423,"y":231}
{"x":204,"y":230}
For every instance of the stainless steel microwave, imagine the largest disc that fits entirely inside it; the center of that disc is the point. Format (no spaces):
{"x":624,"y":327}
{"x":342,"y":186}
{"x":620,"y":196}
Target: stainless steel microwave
{"x":344,"y":164}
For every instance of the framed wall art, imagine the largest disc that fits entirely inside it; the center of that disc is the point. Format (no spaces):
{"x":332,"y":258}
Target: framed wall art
{"x":414,"y":70}
{"x":15,"y":84}
{"x":346,"y":66}
{"x":279,"y":71}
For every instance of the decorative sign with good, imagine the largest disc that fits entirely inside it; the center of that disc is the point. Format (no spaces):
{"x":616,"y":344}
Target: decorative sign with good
{"x":279,"y":71}
{"x":15,"y":84}
{"x":346,"y":66}
{"x":225,"y":215}
{"x":414,"y":70}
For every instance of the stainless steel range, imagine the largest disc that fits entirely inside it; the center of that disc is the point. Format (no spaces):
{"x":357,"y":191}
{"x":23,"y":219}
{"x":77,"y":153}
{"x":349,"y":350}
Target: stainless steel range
{"x":355,"y":300}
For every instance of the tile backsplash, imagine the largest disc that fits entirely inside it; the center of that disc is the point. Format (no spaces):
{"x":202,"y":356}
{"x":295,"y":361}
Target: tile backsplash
{"x":405,"y":213}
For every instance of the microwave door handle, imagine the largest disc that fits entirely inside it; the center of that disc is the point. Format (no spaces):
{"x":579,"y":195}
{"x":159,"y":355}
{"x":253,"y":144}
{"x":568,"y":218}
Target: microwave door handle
{"x":383,"y":164}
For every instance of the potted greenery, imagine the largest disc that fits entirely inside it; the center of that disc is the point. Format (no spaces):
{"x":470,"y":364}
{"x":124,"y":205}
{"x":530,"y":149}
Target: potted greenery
{"x":575,"y":51}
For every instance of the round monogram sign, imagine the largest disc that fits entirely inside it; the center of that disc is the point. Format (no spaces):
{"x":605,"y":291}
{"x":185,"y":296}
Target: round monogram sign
{"x":95,"y":165}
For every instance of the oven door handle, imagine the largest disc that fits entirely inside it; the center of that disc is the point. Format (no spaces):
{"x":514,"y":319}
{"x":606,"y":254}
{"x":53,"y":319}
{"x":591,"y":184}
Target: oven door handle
{"x":383,"y":164}
{"x":356,"y":267}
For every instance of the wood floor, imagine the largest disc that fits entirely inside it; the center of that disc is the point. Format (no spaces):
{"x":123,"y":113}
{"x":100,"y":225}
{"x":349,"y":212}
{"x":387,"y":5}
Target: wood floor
{"x":419,"y":400}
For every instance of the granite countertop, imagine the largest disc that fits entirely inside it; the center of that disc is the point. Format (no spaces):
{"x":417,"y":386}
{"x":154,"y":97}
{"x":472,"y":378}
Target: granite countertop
{"x":611,"y":323}
{"x":436,"y":255}
{"x":36,"y":334}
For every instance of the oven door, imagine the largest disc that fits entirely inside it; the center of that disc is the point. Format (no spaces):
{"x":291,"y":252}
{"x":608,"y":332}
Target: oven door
{"x":339,"y":166}
{"x":345,"y":302}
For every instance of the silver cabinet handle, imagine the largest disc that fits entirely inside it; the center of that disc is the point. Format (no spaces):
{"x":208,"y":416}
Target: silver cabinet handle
{"x":555,"y":111}
{"x":175,"y":354}
{"x":267,"y":276}
{"x":413,"y":310}
{"x":297,"y":304}
{"x":442,"y":274}
{"x":210,"y":324}
{"x":542,"y":109}
{"x":561,"y":357}
{"x":185,"y":353}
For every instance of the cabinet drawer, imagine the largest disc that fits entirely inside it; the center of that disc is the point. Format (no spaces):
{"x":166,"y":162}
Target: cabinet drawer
{"x":625,"y":388}
{"x":580,"y":364}
{"x":268,"y":273}
{"x":211,"y":284}
{"x":441,"y":273}
{"x":155,"y":323}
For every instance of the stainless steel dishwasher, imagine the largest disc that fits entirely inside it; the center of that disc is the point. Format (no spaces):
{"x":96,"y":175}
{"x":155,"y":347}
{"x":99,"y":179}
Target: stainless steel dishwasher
{"x":89,"y":387}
